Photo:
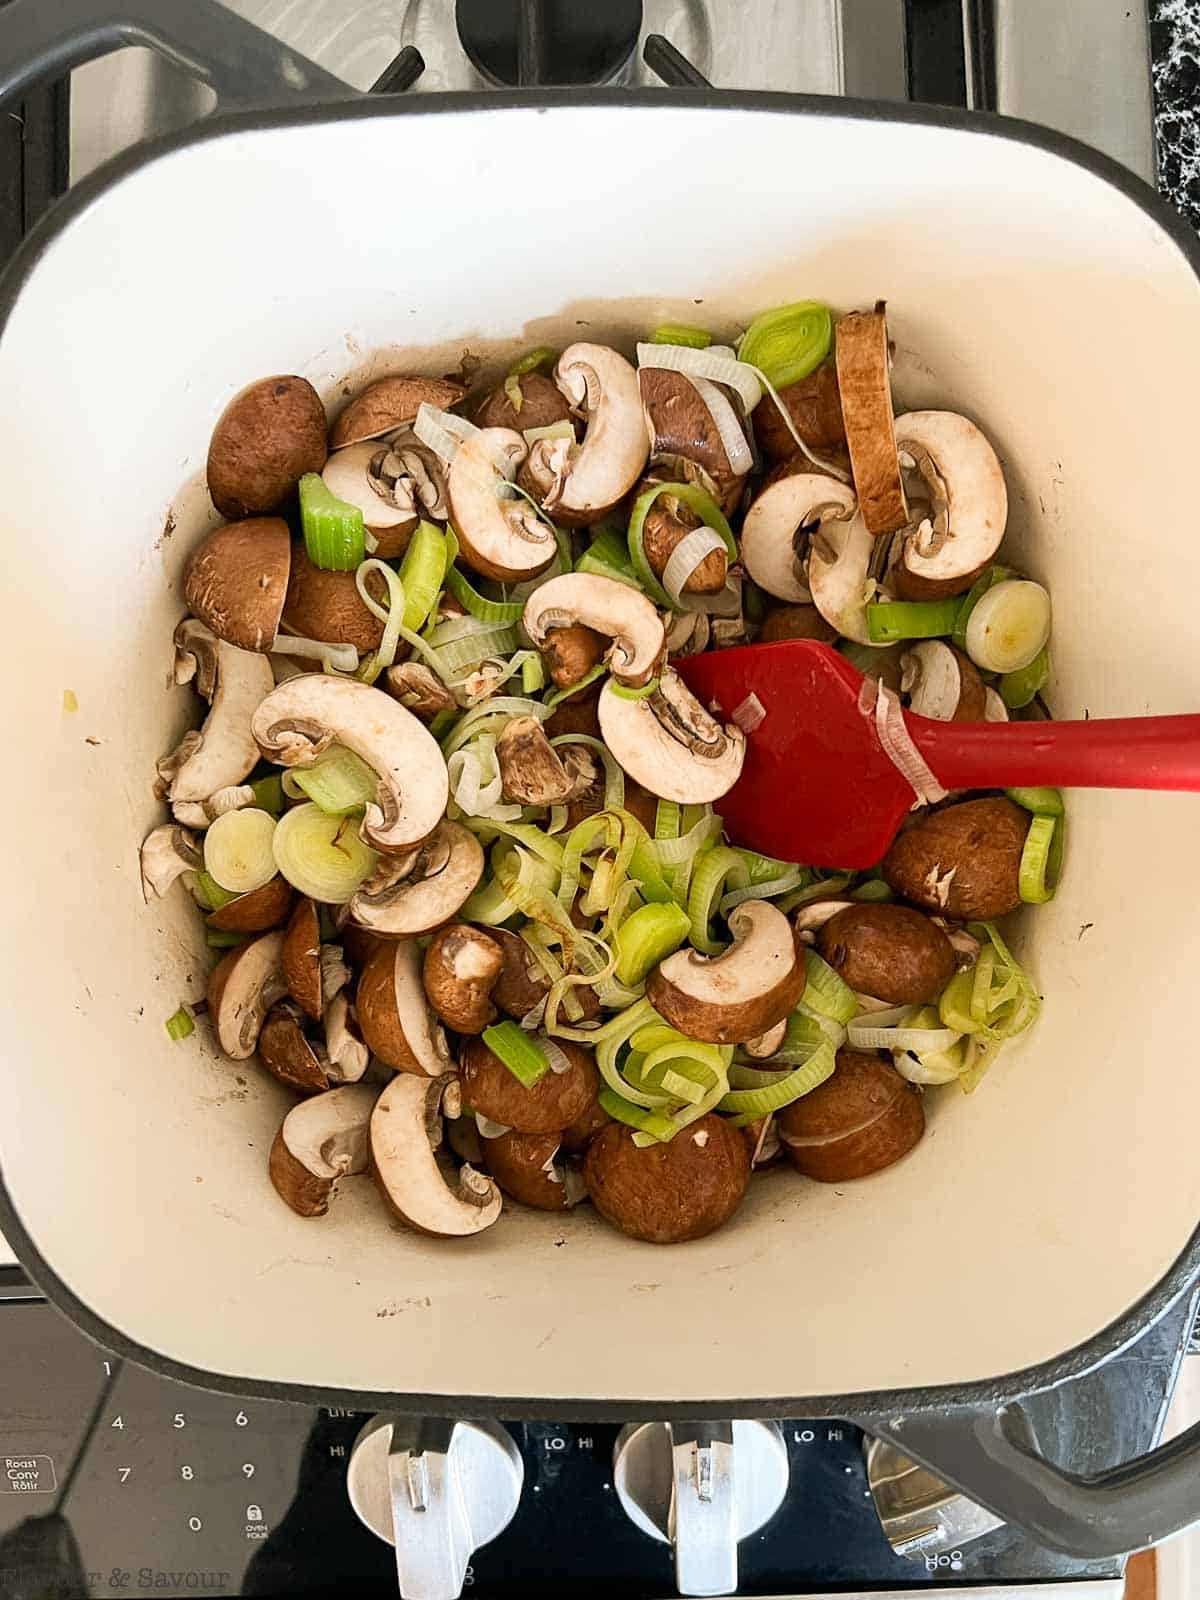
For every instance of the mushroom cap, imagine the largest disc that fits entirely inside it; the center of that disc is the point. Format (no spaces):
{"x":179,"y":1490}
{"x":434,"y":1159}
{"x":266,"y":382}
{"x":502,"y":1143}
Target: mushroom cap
{"x":858,"y":1121}
{"x":554,"y":1102}
{"x":524,"y":1166}
{"x":609,"y":607}
{"x":302,"y":717}
{"x":581,"y":1132}
{"x":668,"y":1193}
{"x":406,"y":1129}
{"x":288,"y":1054}
{"x":668,"y":742}
{"x":499,"y":537}
{"x":531,"y":772}
{"x":796,"y":622}
{"x":570,"y":653}
{"x":265,"y":440}
{"x":777,"y":517}
{"x":347,"y":474}
{"x":237,"y":578}
{"x":319,"y":1141}
{"x":391,"y":403}
{"x":255,"y":912}
{"x":396,"y":1020}
{"x":970,"y":500}
{"x":167,"y":852}
{"x":522,"y":984}
{"x":327,"y":605}
{"x":963,"y":861}
{"x":943,"y":683}
{"x":242,"y":988}
{"x":460,"y":971}
{"x":738,"y":995}
{"x":602,"y":470}
{"x":839,"y":562}
{"x":301,"y":959}
{"x":679,"y":423}
{"x":861,"y":347}
{"x":815,"y":406}
{"x":889,"y":951}
{"x":542,"y":405}
{"x":445,"y":871}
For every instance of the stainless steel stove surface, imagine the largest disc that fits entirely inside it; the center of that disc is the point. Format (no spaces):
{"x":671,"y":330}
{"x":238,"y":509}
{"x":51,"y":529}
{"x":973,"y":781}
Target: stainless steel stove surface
{"x":117,"y":1480}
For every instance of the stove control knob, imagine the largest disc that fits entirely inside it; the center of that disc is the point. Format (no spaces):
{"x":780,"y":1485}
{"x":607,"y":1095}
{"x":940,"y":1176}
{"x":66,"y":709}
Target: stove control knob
{"x":437,"y":1491}
{"x":921,"y":1515}
{"x":701,"y":1486}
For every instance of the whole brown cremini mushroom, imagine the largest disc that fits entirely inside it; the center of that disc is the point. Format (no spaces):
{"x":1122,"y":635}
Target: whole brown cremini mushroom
{"x":554,"y":1102}
{"x":542,"y":404}
{"x":963,"y":861}
{"x":571,"y":652}
{"x":524,"y":1166}
{"x":795,"y":622}
{"x":521,"y":984}
{"x":327,"y":605}
{"x":668,"y":1193}
{"x":860,"y":1120}
{"x":581,"y":1132}
{"x":236,"y":581}
{"x":459,"y":973}
{"x":814,"y":405}
{"x":889,"y":951}
{"x":667,"y":524}
{"x":681,"y":420}
{"x":265,"y":440}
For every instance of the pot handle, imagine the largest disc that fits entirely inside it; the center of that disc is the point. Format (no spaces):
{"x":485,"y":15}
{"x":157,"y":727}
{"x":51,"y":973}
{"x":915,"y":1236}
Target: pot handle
{"x":993,"y":1457}
{"x":42,"y":39}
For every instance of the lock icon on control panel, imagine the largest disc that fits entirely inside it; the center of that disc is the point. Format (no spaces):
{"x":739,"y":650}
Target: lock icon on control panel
{"x":254,"y":1513}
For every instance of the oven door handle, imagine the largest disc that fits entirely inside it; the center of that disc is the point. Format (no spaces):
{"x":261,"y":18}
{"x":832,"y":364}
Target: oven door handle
{"x":993,"y":1458}
{"x":44,"y":39}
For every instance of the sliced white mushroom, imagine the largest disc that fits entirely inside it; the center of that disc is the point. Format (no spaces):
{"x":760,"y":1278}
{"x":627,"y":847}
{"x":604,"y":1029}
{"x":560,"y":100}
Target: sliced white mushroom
{"x":348,"y":1055}
{"x":500,"y":534}
{"x":395,"y":1018}
{"x":301,"y":718}
{"x":864,"y":385}
{"x":741,"y":994}
{"x":321,"y":1140}
{"x":839,"y":567}
{"x":357,"y":475}
{"x":406,"y":1130}
{"x":167,"y":852}
{"x":612,"y":608}
{"x":223,"y":751}
{"x":427,"y":890}
{"x":941,"y":683}
{"x":242,"y":988}
{"x":776,"y":530}
{"x":591,"y":477}
{"x":670,"y":744}
{"x":968,"y":501}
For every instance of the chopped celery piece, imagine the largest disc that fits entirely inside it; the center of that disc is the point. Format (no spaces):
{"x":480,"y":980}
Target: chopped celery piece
{"x":893,"y":620}
{"x":788,"y":342}
{"x":180,"y":1025}
{"x":421,"y":572}
{"x":339,"y":782}
{"x":333,"y":529}
{"x":1018,"y":688}
{"x":510,"y":1044}
{"x":681,"y":333}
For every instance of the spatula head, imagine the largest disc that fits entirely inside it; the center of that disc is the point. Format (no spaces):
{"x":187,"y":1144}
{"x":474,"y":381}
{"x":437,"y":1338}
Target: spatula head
{"x":817,"y":786}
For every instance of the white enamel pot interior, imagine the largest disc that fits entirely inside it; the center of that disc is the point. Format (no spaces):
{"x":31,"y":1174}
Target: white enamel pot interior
{"x":1023,"y":288}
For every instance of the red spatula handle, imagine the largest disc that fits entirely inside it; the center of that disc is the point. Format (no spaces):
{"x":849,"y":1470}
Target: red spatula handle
{"x":1111,"y":753}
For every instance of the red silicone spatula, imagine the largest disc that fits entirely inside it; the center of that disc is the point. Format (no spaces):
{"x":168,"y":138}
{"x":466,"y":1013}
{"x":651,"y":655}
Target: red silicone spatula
{"x":818,"y":787}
